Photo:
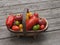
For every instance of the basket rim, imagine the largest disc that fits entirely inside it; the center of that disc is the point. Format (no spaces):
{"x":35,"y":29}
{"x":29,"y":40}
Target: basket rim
{"x":32,"y":30}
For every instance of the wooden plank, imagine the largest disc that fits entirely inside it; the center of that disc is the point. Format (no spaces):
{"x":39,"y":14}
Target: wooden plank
{"x":57,"y":3}
{"x":15,"y":2}
{"x":5,"y":33}
{"x":20,"y":8}
{"x":48,"y":38}
{"x":45,"y":13}
{"x":34,"y":6}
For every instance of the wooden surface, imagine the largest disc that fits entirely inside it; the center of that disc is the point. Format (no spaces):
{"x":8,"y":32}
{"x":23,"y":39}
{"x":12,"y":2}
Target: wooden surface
{"x":49,"y":9}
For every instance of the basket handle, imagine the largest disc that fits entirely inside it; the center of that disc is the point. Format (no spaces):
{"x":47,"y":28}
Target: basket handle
{"x":24,"y":22}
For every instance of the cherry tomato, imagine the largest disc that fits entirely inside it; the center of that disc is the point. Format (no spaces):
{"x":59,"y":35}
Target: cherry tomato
{"x":36,"y":27}
{"x":18,"y":17}
{"x":36,"y":14}
{"x":27,"y":21}
{"x":27,"y":17}
{"x":42,"y":21}
{"x":15,"y":28}
{"x":20,"y":26}
{"x":42,"y":27}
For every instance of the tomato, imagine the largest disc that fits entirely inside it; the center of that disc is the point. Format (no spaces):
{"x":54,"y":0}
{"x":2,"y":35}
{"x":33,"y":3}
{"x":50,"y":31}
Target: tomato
{"x":19,"y":17}
{"x":42,"y":27}
{"x":42,"y":21}
{"x":15,"y":28}
{"x":27,"y":21}
{"x":17,"y":22}
{"x":28,"y":13}
{"x":27,"y":18}
{"x":31,"y":22}
{"x":20,"y":26}
{"x":36,"y":14}
{"x":36,"y":27}
{"x":21,"y":30}
{"x":10,"y":20}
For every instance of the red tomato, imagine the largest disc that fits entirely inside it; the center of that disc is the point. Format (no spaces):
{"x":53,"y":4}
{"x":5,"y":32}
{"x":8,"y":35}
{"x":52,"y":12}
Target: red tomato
{"x":27,"y":21}
{"x":42,"y":27}
{"x":42,"y":21}
{"x":19,"y":17}
{"x":15,"y":28}
{"x":36,"y":14}
{"x":10,"y":20}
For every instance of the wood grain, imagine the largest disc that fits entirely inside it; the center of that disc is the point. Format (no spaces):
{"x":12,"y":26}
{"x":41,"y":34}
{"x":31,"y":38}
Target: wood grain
{"x":32,"y":6}
{"x":48,"y":38}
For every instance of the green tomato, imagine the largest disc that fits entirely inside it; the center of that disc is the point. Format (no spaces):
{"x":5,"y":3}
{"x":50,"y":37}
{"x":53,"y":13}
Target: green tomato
{"x":36,"y":27}
{"x":17,"y":22}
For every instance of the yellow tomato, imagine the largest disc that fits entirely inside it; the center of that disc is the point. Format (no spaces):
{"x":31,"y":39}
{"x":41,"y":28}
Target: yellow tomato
{"x":28,"y":14}
{"x":21,"y":30}
{"x":21,"y":26}
{"x":27,"y":18}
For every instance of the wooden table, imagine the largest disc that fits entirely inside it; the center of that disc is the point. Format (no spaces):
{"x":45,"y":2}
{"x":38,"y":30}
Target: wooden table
{"x":49,"y":9}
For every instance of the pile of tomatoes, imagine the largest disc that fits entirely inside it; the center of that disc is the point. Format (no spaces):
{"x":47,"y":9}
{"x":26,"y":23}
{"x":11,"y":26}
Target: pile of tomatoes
{"x":14,"y":22}
{"x":33,"y":22}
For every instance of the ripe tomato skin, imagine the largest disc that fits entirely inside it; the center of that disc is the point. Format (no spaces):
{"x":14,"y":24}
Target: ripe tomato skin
{"x":31,"y":23}
{"x":42,"y":27}
{"x":42,"y":21}
{"x":21,"y":26}
{"x":27,"y":21}
{"x":15,"y":28}
{"x":10,"y":20}
{"x":18,"y":17}
{"x":36,"y":14}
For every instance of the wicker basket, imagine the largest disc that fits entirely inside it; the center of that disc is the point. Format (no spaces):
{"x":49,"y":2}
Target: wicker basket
{"x":30,"y":33}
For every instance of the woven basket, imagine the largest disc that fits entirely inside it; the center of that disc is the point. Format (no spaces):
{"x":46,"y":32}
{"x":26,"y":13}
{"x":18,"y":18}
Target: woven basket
{"x":30,"y":33}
